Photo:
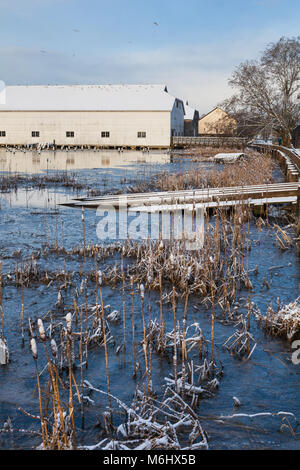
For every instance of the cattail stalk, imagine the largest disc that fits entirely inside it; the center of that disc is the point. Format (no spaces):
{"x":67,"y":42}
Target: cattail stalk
{"x":81,"y":356}
{"x":175,"y":339}
{"x":69,"y":342}
{"x":56,"y":393}
{"x":133,"y":326}
{"x":43,"y":423}
{"x":123,"y":304}
{"x":22,"y":311}
{"x":161,"y":310}
{"x":212,"y":324}
{"x":149,"y":329}
{"x":183,"y":348}
{"x":145,"y":343}
{"x":105,"y":342}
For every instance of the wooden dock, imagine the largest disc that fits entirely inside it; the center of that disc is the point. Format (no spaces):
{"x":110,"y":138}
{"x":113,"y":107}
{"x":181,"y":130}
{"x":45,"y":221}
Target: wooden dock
{"x":207,"y":197}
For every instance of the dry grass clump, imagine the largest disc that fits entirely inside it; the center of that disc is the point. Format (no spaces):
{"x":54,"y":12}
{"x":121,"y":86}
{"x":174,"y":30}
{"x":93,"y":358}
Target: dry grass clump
{"x":56,"y":401}
{"x":216,"y":271}
{"x":284,"y":323}
{"x":241,"y":344}
{"x":56,"y":383}
{"x":30,"y":273}
{"x":192,"y":338}
{"x":241,"y":173}
{"x":283,"y":239}
{"x":152,"y":424}
{"x":245,"y":172}
{"x":11,"y":182}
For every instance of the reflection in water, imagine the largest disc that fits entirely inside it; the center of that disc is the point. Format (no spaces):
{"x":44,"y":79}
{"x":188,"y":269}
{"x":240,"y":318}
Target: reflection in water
{"x":88,"y":170}
{"x":39,"y":198}
{"x":34,"y":162}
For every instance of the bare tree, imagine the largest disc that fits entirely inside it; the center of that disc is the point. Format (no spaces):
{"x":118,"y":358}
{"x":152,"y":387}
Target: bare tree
{"x":267,"y":93}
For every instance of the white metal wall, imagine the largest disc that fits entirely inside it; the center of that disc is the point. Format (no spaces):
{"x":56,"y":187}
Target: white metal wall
{"x":87,"y":126}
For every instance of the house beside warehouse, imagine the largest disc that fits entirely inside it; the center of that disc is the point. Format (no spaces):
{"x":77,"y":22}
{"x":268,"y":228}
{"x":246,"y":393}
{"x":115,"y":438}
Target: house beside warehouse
{"x":96,"y":115}
{"x":217,"y":122}
{"x":191,"y":119}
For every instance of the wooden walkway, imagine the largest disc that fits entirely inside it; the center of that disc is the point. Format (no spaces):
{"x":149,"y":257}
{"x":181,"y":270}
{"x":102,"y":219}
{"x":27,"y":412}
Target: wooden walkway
{"x":208,"y":141}
{"x":291,"y":157}
{"x":277,"y":193}
{"x":208,"y":197}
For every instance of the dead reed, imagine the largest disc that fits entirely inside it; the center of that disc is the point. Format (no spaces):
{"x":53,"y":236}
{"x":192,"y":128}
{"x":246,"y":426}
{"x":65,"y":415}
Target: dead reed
{"x":238,"y":174}
{"x":285,"y":322}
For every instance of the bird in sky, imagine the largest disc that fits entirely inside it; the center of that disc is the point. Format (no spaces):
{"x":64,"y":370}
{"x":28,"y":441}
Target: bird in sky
{"x":156,"y":24}
{"x":76,"y":30}
{"x":43,"y":52}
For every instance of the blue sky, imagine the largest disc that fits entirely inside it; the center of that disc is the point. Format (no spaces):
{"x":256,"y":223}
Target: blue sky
{"x":194,"y":48}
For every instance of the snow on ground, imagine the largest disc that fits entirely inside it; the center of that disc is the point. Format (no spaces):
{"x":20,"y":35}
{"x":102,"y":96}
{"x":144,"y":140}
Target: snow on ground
{"x":228,"y":157}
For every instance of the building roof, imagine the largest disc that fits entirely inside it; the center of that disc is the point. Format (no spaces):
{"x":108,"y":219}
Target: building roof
{"x":189,"y":113}
{"x":87,"y":97}
{"x":214,"y":109}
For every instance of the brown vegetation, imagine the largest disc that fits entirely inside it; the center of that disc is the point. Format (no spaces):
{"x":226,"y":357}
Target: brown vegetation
{"x":254,"y":169}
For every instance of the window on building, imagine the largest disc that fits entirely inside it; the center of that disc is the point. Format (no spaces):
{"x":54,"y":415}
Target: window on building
{"x":70,"y":134}
{"x":105,"y":134}
{"x":2,"y":133}
{"x":141,"y":134}
{"x":35,"y":133}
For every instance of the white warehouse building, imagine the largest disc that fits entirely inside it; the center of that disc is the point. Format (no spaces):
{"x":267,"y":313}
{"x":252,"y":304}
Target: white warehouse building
{"x":96,"y":115}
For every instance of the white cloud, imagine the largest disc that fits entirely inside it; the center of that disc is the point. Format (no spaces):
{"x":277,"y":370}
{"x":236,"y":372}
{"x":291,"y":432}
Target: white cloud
{"x":203,"y":84}
{"x":197,"y":73}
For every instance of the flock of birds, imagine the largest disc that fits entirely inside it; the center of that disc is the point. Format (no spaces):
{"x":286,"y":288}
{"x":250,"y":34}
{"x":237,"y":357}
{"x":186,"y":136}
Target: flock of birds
{"x":43,"y":51}
{"x":66,"y":148}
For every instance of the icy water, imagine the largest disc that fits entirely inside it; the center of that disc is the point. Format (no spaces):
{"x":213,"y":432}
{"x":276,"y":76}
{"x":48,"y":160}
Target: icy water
{"x":31,"y":218}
